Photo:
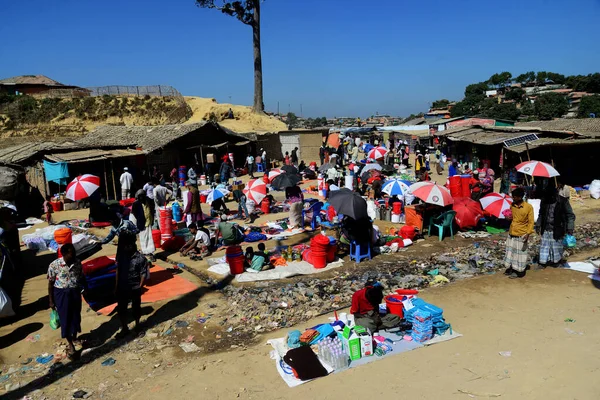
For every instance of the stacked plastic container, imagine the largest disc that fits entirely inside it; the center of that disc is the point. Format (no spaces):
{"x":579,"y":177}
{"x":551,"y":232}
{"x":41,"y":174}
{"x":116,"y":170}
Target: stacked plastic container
{"x":422,"y":328}
{"x":166,"y":227}
{"x":331,"y":352}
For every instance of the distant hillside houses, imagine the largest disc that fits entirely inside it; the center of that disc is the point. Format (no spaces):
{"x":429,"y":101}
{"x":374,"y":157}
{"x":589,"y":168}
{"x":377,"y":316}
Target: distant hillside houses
{"x":40,"y":86}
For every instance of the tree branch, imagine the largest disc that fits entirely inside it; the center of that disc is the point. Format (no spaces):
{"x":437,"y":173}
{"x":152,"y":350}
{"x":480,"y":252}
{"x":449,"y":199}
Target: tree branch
{"x":242,"y":10}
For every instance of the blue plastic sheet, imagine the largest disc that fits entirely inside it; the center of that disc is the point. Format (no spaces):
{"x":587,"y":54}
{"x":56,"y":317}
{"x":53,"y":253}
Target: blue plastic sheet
{"x":56,"y":172}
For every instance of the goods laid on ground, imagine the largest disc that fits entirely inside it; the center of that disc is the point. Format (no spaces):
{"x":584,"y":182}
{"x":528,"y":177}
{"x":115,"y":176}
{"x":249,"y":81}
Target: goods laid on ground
{"x":339,"y":345}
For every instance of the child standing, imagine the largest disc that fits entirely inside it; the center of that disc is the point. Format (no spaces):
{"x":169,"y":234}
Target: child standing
{"x":48,"y":210}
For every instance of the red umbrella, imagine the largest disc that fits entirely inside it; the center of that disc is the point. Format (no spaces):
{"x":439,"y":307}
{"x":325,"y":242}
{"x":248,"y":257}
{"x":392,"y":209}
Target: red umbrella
{"x":468,"y":212}
{"x":496,"y":204}
{"x":432,"y":193}
{"x":256,"y":190}
{"x":537,"y":168}
{"x":81,"y":187}
{"x":377,"y":153}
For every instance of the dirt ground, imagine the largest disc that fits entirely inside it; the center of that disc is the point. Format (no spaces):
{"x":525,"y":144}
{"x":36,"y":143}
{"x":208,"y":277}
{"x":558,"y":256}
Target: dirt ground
{"x":526,"y":317}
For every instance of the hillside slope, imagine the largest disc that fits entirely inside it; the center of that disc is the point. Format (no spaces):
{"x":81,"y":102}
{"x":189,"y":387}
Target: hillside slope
{"x":244,"y":119}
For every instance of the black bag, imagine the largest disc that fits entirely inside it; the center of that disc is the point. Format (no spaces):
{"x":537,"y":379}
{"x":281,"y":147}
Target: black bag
{"x":305,"y":363}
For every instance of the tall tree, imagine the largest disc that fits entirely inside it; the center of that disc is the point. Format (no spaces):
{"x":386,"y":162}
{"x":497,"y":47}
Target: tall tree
{"x":589,"y":105}
{"x":443,"y":103}
{"x":292,"y":120}
{"x":551,"y":105}
{"x":247,"y":12}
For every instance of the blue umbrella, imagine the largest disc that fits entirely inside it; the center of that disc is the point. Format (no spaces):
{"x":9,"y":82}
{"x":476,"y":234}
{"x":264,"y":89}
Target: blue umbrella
{"x":216,"y":194}
{"x":395,"y":187}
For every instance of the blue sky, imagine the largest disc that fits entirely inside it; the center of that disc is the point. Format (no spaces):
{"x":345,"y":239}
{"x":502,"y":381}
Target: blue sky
{"x":386,"y":56}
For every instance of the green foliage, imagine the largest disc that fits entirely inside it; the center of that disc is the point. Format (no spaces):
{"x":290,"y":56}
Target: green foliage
{"x":550,"y":105}
{"x":516,"y":94}
{"x":292,"y":120}
{"x":556,"y":78}
{"x":527,"y":108}
{"x":584,"y":83}
{"x":443,"y":103}
{"x":588,"y":105}
{"x":476,"y":90}
{"x":492,"y":109}
{"x":541,"y":77}
{"x":527,"y":77}
{"x":242,"y":10}
{"x":500,"y":79}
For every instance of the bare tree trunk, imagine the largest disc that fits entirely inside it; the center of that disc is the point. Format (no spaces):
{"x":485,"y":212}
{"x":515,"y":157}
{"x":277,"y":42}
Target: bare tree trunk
{"x":259,"y":105}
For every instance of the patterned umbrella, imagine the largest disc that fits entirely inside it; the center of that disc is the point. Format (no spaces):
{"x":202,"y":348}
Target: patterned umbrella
{"x":496,"y":204}
{"x":432,"y":193}
{"x":377,"y":153}
{"x":83,"y":186}
{"x":216,"y":194}
{"x":395,"y":186}
{"x":537,"y":168}
{"x":274,"y":173}
{"x":256,"y":190}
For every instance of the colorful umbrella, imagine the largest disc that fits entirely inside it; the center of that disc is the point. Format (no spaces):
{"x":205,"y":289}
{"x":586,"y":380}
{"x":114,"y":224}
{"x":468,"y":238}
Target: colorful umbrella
{"x":83,"y":186}
{"x":496,"y":204}
{"x":256,"y":190}
{"x":274,"y":173}
{"x":349,"y":203}
{"x":395,"y":186}
{"x":371,"y":166}
{"x":537,"y":168}
{"x":216,"y":194}
{"x":468,"y":212}
{"x":377,"y":153}
{"x":432,"y":193}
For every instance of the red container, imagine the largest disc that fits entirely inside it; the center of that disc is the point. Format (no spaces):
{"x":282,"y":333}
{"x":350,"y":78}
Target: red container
{"x":397,"y":208}
{"x":396,"y":308}
{"x":407,"y":292}
{"x":455,"y":186}
{"x":235,"y":259}
{"x":203,"y":198}
{"x":319,"y":248}
{"x":265,"y":206}
{"x":465,"y":189}
{"x":156,"y":237}
{"x":56,"y":205}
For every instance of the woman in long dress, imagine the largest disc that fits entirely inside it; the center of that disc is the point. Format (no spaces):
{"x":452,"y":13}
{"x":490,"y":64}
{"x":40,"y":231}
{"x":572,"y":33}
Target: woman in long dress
{"x":144,"y":219}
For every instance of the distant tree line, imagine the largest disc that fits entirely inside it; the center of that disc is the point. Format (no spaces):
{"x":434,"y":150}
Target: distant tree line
{"x":516,"y":104}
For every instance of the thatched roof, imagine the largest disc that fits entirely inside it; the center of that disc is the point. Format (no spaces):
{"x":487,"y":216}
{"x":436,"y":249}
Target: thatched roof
{"x":151,"y":138}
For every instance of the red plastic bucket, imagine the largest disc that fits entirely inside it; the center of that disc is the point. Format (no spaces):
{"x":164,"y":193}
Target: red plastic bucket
{"x":235,"y":259}
{"x":465,"y":188}
{"x":395,"y":307}
{"x":156,"y":237}
{"x":397,"y":208}
{"x":265,"y":206}
{"x":203,"y":198}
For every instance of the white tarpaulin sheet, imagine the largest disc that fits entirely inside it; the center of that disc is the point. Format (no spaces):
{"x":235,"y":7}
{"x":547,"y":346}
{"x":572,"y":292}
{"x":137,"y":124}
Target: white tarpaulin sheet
{"x":293,"y":268}
{"x":400,"y":346}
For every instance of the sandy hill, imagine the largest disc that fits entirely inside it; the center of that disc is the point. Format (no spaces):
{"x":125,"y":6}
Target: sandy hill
{"x":245,"y":120}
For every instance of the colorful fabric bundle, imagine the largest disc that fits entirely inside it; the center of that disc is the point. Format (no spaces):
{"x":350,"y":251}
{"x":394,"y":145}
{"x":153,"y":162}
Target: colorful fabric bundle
{"x":422,"y":329}
{"x":308,"y":336}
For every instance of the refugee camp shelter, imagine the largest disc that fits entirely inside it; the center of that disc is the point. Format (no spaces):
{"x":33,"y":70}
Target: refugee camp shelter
{"x":308,"y":142}
{"x":40,"y":86}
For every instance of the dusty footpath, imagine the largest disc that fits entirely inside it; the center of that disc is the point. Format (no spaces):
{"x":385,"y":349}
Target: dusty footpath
{"x":545,"y":326}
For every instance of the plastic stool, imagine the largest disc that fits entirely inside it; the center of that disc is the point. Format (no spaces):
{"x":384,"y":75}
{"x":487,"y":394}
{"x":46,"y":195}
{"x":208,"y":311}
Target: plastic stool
{"x":357,"y":254}
{"x":259,"y":167}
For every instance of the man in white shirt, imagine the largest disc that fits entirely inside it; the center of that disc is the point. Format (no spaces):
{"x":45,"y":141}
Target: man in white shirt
{"x":264,"y":159}
{"x":161,"y":195}
{"x":126,"y":181}
{"x":250,"y":164}
{"x":199,"y":245}
{"x":149,"y":189}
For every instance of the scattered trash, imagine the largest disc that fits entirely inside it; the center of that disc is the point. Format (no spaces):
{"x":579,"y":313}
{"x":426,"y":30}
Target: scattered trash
{"x":189,"y":339}
{"x":505,"y":353}
{"x":80,"y":394}
{"x":572,"y":332}
{"x":181,"y":324}
{"x":27,"y":361}
{"x":569,"y":320}
{"x":44,"y":358}
{"x":4,"y":378}
{"x":201,"y":320}
{"x":33,"y":338}
{"x":108,"y":362}
{"x":189,"y":347}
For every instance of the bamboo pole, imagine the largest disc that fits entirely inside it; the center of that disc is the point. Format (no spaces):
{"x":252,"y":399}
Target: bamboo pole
{"x":105,"y":180}
{"x":112,"y":170}
{"x":552,"y":161}
{"x":526,"y":178}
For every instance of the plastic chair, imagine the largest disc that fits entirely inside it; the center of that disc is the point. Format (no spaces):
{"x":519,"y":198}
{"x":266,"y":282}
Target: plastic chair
{"x":316,"y":211}
{"x":442,"y":222}
{"x":356,"y":251}
{"x":259,"y":167}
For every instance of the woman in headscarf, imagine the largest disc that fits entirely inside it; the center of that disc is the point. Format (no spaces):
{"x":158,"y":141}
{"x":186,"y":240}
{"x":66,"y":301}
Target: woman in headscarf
{"x":295,"y":198}
{"x":144,"y":219}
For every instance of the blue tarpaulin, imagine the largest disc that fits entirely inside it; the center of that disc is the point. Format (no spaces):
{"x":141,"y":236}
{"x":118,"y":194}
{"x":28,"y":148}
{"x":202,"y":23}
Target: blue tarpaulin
{"x":56,"y":172}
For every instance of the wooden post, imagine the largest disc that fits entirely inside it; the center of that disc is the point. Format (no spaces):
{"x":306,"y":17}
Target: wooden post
{"x":105,"y":180}
{"x":526,"y":179}
{"x":201,"y":160}
{"x":112,"y":170}
{"x":552,"y":161}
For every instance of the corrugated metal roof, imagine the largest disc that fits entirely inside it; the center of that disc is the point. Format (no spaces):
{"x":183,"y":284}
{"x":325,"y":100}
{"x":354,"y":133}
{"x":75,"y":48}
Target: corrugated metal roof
{"x":22,"y":152}
{"x":92,"y":155}
{"x":30,"y":80}
{"x":585,"y":126}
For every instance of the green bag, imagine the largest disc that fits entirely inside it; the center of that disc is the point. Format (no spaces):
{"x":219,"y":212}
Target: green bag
{"x":54,"y":319}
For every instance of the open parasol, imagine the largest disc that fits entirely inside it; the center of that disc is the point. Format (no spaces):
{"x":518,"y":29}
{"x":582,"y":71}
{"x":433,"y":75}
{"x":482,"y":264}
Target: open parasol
{"x":274,"y":173}
{"x":395,"y":187}
{"x":468,"y":212}
{"x":216,"y":194}
{"x":496,"y":204}
{"x":537,"y":168}
{"x":377,"y":153}
{"x":256,"y":190}
{"x":285,"y":180}
{"x":349,"y":203}
{"x":81,"y":187}
{"x":432,"y":193}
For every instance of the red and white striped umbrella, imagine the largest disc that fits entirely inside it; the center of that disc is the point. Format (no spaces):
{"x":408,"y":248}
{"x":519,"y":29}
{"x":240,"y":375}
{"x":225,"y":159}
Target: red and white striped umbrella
{"x":377,"y":153}
{"x":496,"y":204}
{"x":256,"y":190}
{"x":274,"y":173}
{"x":537,"y":168}
{"x":432,"y":193}
{"x":83,"y":186}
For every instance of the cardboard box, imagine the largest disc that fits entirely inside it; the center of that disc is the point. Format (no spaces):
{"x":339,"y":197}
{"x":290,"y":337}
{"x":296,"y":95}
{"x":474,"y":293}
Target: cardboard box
{"x":366,"y":341}
{"x":350,"y":342}
{"x":210,"y":158}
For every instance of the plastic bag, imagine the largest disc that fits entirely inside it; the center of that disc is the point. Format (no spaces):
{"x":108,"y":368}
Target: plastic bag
{"x":6,"y":309}
{"x":570,"y":241}
{"x":595,"y":189}
{"x":54,"y":319}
